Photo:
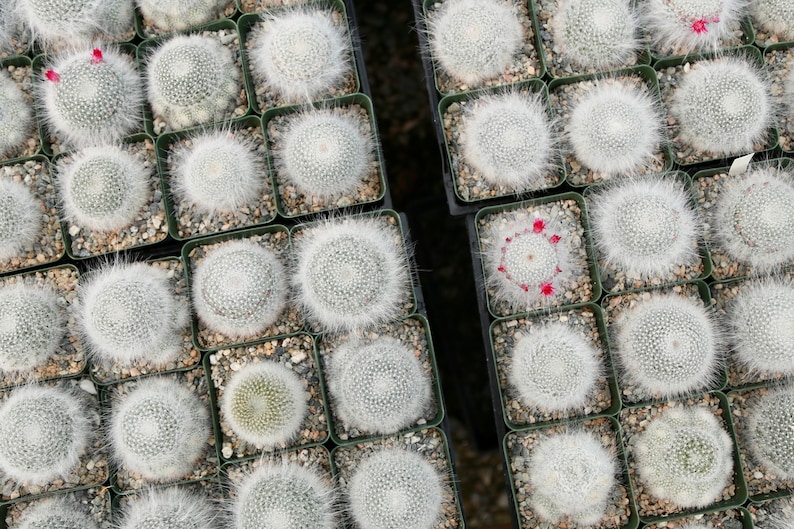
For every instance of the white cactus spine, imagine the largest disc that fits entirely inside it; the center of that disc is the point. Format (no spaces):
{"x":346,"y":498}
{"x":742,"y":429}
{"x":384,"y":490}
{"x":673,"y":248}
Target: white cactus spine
{"x":16,"y":115}
{"x":685,"y":26}
{"x":56,"y":513}
{"x":171,"y":508}
{"x":20,"y":218}
{"x":177,"y":15}
{"x":31,"y":326}
{"x":770,"y":422}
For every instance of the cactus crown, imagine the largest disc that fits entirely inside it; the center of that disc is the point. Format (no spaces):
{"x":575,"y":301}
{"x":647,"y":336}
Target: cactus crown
{"x":754,"y":219}
{"x":645,"y":227}
{"x":92,"y":97}
{"x":176,"y":15}
{"x":553,"y":368}
{"x":217,"y":173}
{"x":615,"y":129}
{"x":265,"y":403}
{"x":395,"y":489}
{"x":239,"y":289}
{"x":771,"y":420}
{"x":596,"y":33}
{"x":774,"y":16}
{"x":667,"y":345}
{"x":300,"y":53}
{"x":169,"y":508}
{"x":684,"y":26}
{"x":685,"y":456}
{"x":475,"y":40}
{"x":324,"y":153}
{"x":509,"y":139}
{"x":723,"y":106}
{"x":56,"y":514}
{"x":572,"y":474}
{"x":103,"y":188}
{"x":43,"y":433}
{"x":52,"y":20}
{"x":30,"y":326}
{"x":20,"y":218}
{"x":16,"y":117}
{"x":287,"y":495}
{"x":192,"y":80}
{"x":379,"y":387}
{"x":159,"y":429}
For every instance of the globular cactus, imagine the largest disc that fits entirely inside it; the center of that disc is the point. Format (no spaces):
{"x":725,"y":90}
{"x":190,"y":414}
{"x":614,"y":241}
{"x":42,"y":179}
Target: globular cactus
{"x":668,"y":345}
{"x":770,"y":423}
{"x":159,"y":429}
{"x":171,"y":508}
{"x":128,"y":313}
{"x":91,"y":97}
{"x":684,"y":26}
{"x":684,"y":456}
{"x":103,"y":188}
{"x":474,"y":40}
{"x":645,"y":227}
{"x":615,"y":129}
{"x":56,"y":513}
{"x":572,"y":475}
{"x":754,"y":219}
{"x":324,"y":153}
{"x":553,"y":368}
{"x":596,"y":33}
{"x":31,"y":326}
{"x":265,"y":403}
{"x":177,"y":15}
{"x":300,"y":53}
{"x":782,"y":516}
{"x":20,"y":218}
{"x":239,"y":289}
{"x":774,"y":16}
{"x":350,"y":273}
{"x":723,"y":106}
{"x":509,"y":139}
{"x":74,"y":21}
{"x":16,"y":116}
{"x":192,"y":80}
{"x":395,"y":489}
{"x":284,"y":495}
{"x":43,"y":433}
{"x":378,"y":387}
{"x":217,"y":173}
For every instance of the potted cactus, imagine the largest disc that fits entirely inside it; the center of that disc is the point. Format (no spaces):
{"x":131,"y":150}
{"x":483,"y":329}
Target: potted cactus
{"x":19,"y":135}
{"x":169,"y":16}
{"x":772,"y":21}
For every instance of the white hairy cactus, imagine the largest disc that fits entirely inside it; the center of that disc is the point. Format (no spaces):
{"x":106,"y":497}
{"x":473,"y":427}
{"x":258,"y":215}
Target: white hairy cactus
{"x":770,"y":423}
{"x":572,"y":475}
{"x":103,"y":188}
{"x":684,"y":26}
{"x":774,"y":16}
{"x":684,"y":456}
{"x":645,"y":227}
{"x":91,"y":97}
{"x":615,"y":128}
{"x":56,"y":513}
{"x":378,"y":387}
{"x":596,"y":33}
{"x":300,"y":53}
{"x":74,"y":21}
{"x":475,"y":40}
{"x":723,"y":106}
{"x":553,"y":368}
{"x":509,"y":139}
{"x":265,"y":403}
{"x":31,"y":326}
{"x":239,"y":289}
{"x":177,"y":15}
{"x":395,"y":489}
{"x":43,"y":433}
{"x":16,"y":115}
{"x":781,"y":517}
{"x":159,"y":429}
{"x":170,"y":508}
{"x":667,"y":345}
{"x":20,"y":218}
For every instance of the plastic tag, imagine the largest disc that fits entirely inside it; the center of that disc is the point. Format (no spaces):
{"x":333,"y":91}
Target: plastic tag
{"x":739,"y":165}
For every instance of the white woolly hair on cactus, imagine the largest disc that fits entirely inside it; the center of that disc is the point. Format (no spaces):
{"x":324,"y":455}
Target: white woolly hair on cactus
{"x":20,"y":218}
{"x":684,"y":456}
{"x":723,"y":106}
{"x":668,"y":345}
{"x":177,"y":15}
{"x":324,"y":153}
{"x":91,"y":97}
{"x":284,"y":494}
{"x":159,"y":429}
{"x":217,"y":172}
{"x":31,"y":326}
{"x":394,"y":489}
{"x":684,"y":26}
{"x":103,"y":188}
{"x":239,"y":289}
{"x":646,"y":227}
{"x":43,"y":433}
{"x":596,"y":34}
{"x":300,"y":53}
{"x":754,"y":218}
{"x":59,"y":512}
{"x":169,"y":508}
{"x":475,"y":40}
{"x":265,"y":403}
{"x":16,"y":115}
{"x":770,"y":423}
{"x":553,"y":368}
{"x":350,"y":273}
{"x":781,"y":515}
{"x":510,"y":140}
{"x":774,"y":16}
{"x":380,"y":386}
{"x":615,"y":128}
{"x":50,"y":21}
{"x":572,"y":476}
